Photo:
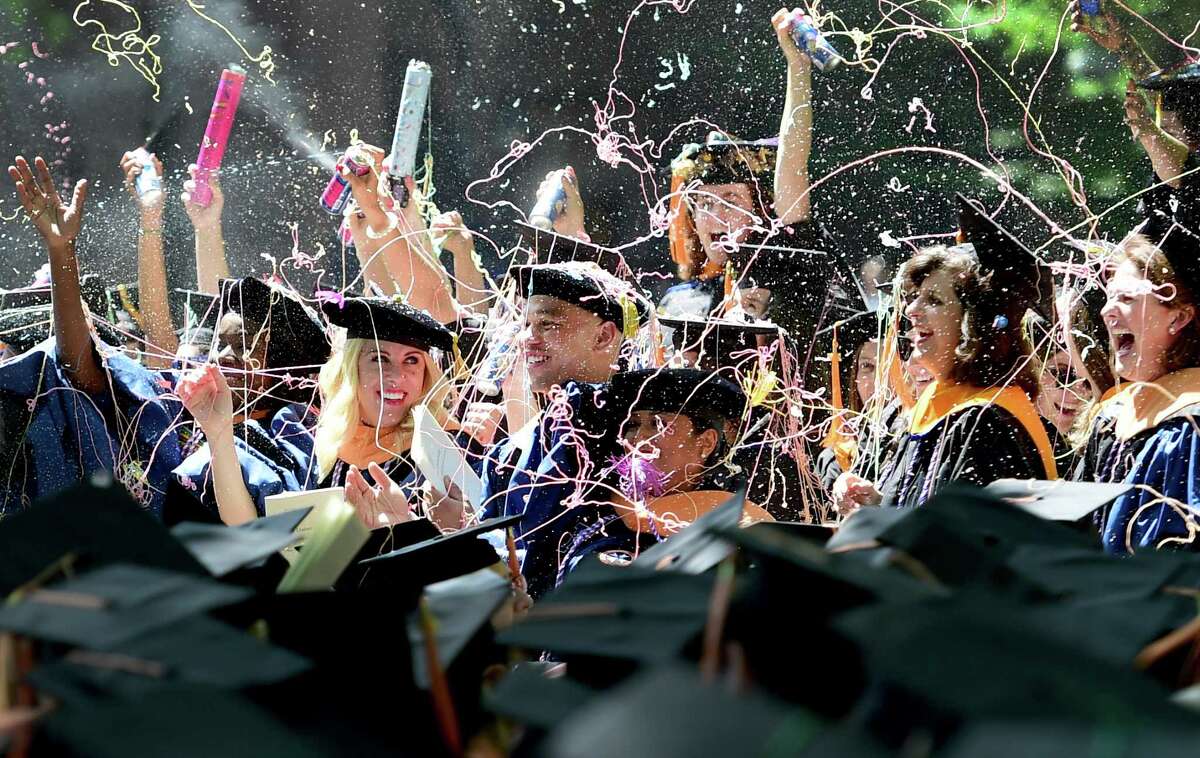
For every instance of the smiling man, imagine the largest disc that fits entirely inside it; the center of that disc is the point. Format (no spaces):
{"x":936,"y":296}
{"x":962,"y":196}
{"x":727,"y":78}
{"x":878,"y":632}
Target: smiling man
{"x":577,"y":319}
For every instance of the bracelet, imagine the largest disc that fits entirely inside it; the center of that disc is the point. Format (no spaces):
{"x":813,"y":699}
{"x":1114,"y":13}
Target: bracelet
{"x":143,"y":232}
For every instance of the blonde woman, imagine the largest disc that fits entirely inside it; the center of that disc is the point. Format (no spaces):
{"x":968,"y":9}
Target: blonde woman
{"x":386,"y":366}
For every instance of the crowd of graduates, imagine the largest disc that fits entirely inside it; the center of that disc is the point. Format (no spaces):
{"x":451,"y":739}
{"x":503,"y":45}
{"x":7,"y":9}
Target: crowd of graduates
{"x":804,"y":504}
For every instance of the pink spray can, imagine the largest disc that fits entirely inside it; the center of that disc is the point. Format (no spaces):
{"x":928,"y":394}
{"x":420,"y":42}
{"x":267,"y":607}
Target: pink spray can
{"x":216,"y":134}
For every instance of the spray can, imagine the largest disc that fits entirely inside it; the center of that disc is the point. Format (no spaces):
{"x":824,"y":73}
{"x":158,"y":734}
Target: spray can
{"x":337,"y":193}
{"x":812,"y":43}
{"x":216,"y":134}
{"x":345,"y":236}
{"x":402,"y":161}
{"x":550,"y":204}
{"x":501,"y":355}
{"x":1090,"y":7}
{"x":148,"y":180}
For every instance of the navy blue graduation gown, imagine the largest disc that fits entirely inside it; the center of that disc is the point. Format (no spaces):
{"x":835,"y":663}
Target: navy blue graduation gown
{"x":54,"y":436}
{"x":539,"y":472}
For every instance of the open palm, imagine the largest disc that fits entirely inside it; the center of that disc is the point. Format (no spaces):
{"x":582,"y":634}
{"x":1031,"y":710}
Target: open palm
{"x":57,"y":223}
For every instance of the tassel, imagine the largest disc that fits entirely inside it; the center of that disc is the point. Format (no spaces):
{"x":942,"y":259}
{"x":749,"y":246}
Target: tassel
{"x":837,"y":439}
{"x":629,"y":318}
{"x":443,"y":704}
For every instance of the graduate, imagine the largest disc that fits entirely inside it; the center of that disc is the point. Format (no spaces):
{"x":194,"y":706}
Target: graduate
{"x":678,"y":426}
{"x":976,"y":422}
{"x":268,"y":347}
{"x":744,"y":207}
{"x":856,"y":361}
{"x":1065,"y":395}
{"x":387,"y":365}
{"x":1151,"y":438}
{"x":76,"y":406}
{"x":578,"y":318}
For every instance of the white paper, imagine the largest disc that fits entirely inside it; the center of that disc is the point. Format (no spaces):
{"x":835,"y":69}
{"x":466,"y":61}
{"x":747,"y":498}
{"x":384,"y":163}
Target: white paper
{"x":319,"y":500}
{"x":438,"y":457}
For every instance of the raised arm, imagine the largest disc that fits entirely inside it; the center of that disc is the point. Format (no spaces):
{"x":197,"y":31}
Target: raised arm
{"x":152,"y":269}
{"x":59,"y":226}
{"x":211,"y":265}
{"x":1110,"y":34}
{"x":399,"y":237}
{"x":470,"y":289}
{"x":206,"y":395}
{"x":792,"y":202}
{"x":1167,"y":154}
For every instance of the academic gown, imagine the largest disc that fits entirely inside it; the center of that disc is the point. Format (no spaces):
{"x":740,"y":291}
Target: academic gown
{"x":1150,"y":439}
{"x":53,"y":436}
{"x":966,"y":434}
{"x":543,"y":472}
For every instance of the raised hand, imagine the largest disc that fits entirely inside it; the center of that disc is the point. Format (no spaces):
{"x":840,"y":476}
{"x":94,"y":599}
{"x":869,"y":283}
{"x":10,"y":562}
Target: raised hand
{"x":384,"y":504}
{"x":1108,"y":33}
{"x":446,"y":506}
{"x":448,"y":230}
{"x":371,"y":204}
{"x":203,"y":218}
{"x":796,"y":57}
{"x":1137,"y":113}
{"x":131,"y":167}
{"x":570,"y":221}
{"x":206,"y":395}
{"x":482,"y":421}
{"x":58,"y":224}
{"x":851,"y":492}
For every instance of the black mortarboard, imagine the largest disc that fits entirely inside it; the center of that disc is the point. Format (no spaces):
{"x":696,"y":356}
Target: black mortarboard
{"x":461,"y":609}
{"x":700,"y":545}
{"x":672,"y":711}
{"x":98,"y":524}
{"x":1019,"y":280}
{"x":686,"y":391}
{"x":723,"y":161}
{"x":195,"y":650}
{"x":616,"y":613}
{"x":433,"y":560}
{"x":854,"y":332}
{"x":941,"y":651}
{"x":548,"y":246}
{"x":526,"y":694}
{"x":718,"y":340}
{"x":184,"y":722}
{"x":113,"y":604}
{"x":199,"y":309}
{"x":297,"y":337}
{"x":1173,"y":226}
{"x":586,"y":286}
{"x":389,"y":320}
{"x":1042,"y":738}
{"x":1059,"y":500}
{"x":1180,"y":88}
{"x":224,"y":549}
{"x":25,"y":297}
{"x":23,"y":328}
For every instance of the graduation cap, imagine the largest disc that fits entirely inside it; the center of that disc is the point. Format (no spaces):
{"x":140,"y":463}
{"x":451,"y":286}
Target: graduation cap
{"x":1059,"y":500}
{"x":1019,"y":281}
{"x":589,"y":287}
{"x":941,"y":652}
{"x":436,"y":559}
{"x":687,"y":391}
{"x":186,"y":722}
{"x":297,"y":337}
{"x":548,"y":246}
{"x":389,"y":320}
{"x":721,"y":160}
{"x":1179,"y":86}
{"x":718,"y":341}
{"x":699,"y":546}
{"x":196,"y":650}
{"x":461,"y":608}
{"x":99,"y":524}
{"x":611,"y":614}
{"x":1173,"y":225}
{"x":528,"y":694}
{"x":199,"y":309}
{"x":672,"y":711}
{"x":1044,"y":738}
{"x":113,"y":604}
{"x":22,"y":328}
{"x":224,"y":549}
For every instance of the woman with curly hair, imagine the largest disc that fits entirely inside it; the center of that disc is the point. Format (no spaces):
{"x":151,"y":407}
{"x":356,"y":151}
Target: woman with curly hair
{"x":976,"y":422}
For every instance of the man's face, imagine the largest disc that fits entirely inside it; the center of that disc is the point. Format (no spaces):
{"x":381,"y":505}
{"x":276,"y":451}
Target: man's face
{"x":560,"y":341}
